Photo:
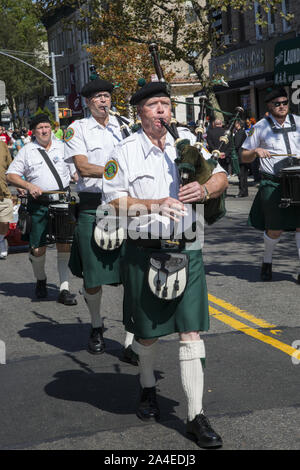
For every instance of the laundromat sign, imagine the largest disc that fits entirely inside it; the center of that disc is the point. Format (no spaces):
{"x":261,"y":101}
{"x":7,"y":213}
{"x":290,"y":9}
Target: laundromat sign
{"x":287,"y":61}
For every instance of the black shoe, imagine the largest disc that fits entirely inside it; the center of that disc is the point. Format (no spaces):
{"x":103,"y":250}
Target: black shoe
{"x":266,"y":272}
{"x":202,"y":432}
{"x":66,"y":298}
{"x":130,"y":356}
{"x":148,"y":408}
{"x":96,"y":343}
{"x":241,"y":195}
{"x":41,"y":289}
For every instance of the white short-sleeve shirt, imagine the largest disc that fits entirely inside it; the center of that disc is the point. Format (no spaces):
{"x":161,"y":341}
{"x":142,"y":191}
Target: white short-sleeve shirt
{"x":262,"y":136}
{"x":144,"y":170}
{"x":30,"y":164}
{"x":87,"y":137}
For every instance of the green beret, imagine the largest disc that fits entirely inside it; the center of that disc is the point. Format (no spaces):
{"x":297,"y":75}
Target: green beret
{"x":38,"y":119}
{"x":96,"y":85}
{"x":276,"y":93}
{"x":150,"y":90}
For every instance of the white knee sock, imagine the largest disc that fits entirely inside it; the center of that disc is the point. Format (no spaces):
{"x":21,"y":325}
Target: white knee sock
{"x":93,"y":302}
{"x":192,"y":377}
{"x":269,"y":244}
{"x":63,"y":269}
{"x":297,"y":236}
{"x":38,"y":266}
{"x":146,"y":362}
{"x":128,"y":339}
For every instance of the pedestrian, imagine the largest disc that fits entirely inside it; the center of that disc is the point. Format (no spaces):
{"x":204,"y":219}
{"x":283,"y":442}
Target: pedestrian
{"x":4,"y":137}
{"x":273,"y":139}
{"x":89,"y":141}
{"x":239,"y":135}
{"x":6,"y":204}
{"x":214,"y":133}
{"x":31,"y":163}
{"x":57,"y":131}
{"x":25,"y":136}
{"x":17,"y":143}
{"x":145,"y":176}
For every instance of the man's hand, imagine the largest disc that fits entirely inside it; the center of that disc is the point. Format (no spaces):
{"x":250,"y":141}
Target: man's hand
{"x":262,"y":153}
{"x":171,"y":208}
{"x":34,"y":191}
{"x":191,"y":192}
{"x":21,"y":192}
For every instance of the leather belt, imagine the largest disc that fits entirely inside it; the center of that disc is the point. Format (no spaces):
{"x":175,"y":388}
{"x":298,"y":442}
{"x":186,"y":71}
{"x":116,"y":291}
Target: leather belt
{"x":157,"y":244}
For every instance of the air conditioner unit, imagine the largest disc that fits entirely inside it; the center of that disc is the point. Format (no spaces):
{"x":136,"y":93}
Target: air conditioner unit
{"x":227,"y":39}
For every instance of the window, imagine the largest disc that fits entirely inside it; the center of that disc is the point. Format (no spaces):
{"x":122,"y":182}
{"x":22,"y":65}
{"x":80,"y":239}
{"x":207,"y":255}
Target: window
{"x":257,"y":14}
{"x":286,"y":8}
{"x":271,"y":22}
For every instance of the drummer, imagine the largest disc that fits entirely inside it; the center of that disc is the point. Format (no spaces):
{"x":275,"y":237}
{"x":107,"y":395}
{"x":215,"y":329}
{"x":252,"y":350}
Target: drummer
{"x":275,"y":139}
{"x":39,"y":183}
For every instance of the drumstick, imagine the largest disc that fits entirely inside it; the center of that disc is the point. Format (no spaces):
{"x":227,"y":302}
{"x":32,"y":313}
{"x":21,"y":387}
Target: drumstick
{"x":54,"y":192}
{"x":283,"y":155}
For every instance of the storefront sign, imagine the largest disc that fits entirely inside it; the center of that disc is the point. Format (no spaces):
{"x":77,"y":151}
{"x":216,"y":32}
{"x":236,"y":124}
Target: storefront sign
{"x":287,"y":61}
{"x":239,"y":64}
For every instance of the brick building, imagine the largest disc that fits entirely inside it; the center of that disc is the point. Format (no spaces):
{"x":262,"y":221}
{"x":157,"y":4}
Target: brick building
{"x":257,"y":58}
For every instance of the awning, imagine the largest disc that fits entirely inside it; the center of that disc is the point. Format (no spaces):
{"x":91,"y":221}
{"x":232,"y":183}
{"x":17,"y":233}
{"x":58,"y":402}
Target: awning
{"x":287,"y":61}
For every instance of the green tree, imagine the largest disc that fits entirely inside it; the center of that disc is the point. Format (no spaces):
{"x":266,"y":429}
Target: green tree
{"x":23,"y":36}
{"x":183,"y":29}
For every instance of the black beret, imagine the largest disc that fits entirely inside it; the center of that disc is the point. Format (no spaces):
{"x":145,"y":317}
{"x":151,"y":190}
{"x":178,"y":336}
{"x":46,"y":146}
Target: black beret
{"x":96,"y":85}
{"x":276,"y":93}
{"x":38,"y":119}
{"x":150,"y":90}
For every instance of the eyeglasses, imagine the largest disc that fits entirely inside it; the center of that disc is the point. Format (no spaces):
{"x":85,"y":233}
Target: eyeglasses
{"x":106,"y":96}
{"x":276,"y":104}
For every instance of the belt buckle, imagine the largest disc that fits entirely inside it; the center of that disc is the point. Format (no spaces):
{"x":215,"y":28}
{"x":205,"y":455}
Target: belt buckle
{"x":170,"y":244}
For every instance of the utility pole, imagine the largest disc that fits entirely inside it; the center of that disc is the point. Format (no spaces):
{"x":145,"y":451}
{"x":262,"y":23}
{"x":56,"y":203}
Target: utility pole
{"x":55,"y":97}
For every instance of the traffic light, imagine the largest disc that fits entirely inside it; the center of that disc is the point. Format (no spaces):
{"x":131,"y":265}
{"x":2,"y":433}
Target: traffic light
{"x":64,"y":113}
{"x":94,"y":73}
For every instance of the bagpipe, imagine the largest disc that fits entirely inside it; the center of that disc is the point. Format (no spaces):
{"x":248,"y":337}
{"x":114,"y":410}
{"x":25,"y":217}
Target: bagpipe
{"x":192,"y":165}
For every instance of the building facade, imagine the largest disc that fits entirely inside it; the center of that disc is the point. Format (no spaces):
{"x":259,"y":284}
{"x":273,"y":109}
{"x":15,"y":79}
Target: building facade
{"x":258,"y":58}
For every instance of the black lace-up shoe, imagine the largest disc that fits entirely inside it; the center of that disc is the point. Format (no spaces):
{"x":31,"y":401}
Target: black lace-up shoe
{"x":41,"y":289}
{"x":266,"y":272}
{"x":96,"y":342}
{"x":66,"y":298}
{"x":148,"y":408}
{"x":201,"y":431}
{"x":130,"y":356}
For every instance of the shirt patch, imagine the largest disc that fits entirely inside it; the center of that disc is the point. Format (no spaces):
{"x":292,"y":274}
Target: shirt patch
{"x":111,"y":169}
{"x":69,"y":134}
{"x":251,"y":132}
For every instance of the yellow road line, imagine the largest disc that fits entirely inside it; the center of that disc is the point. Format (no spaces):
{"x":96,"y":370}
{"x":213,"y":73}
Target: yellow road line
{"x":237,"y":325}
{"x":240,"y":313}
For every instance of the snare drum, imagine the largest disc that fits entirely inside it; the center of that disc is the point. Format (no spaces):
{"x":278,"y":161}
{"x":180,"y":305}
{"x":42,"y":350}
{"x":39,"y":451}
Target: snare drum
{"x":290,"y":186}
{"x":61,"y":222}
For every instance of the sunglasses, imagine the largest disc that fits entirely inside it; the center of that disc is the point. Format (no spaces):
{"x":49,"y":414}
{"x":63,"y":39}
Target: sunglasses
{"x":276,"y":104}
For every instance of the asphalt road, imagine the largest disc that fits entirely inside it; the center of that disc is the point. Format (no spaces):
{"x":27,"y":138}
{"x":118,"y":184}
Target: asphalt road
{"x":54,"y":395}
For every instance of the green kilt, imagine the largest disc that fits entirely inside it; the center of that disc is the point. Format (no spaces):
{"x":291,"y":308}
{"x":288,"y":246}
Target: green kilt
{"x":96,"y":266}
{"x":39,"y":227}
{"x":149,"y":317}
{"x":265,"y":213}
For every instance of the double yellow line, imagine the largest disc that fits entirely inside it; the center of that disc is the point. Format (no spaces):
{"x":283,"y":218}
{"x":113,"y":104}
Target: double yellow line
{"x":238,"y":325}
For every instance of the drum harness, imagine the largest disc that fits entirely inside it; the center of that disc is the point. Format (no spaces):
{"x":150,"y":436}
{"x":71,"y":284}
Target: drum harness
{"x":285,"y":132}
{"x":25,"y":222}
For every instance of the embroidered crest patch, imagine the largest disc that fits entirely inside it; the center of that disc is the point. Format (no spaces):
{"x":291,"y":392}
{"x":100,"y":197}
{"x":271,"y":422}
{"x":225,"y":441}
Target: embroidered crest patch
{"x":69,"y":133}
{"x":251,"y":132}
{"x":111,"y":169}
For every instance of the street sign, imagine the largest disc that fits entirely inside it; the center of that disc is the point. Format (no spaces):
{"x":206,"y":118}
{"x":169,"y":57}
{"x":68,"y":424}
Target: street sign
{"x":59,"y":99}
